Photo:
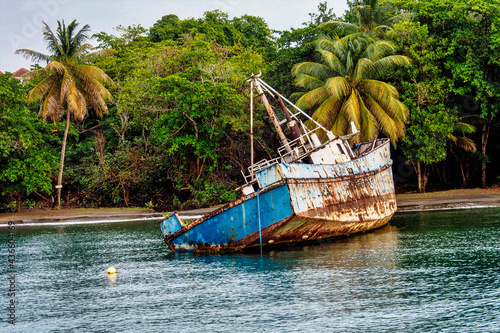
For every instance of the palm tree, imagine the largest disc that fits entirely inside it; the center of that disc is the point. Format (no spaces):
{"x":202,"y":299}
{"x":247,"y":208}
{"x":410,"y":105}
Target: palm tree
{"x":346,"y":87}
{"x":371,"y":18}
{"x":464,"y":125}
{"x":462,"y":141}
{"x":68,"y":83}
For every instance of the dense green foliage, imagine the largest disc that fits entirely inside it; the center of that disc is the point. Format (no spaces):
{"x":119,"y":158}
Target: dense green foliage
{"x":26,"y":160}
{"x":176,"y":134}
{"x":455,"y":46}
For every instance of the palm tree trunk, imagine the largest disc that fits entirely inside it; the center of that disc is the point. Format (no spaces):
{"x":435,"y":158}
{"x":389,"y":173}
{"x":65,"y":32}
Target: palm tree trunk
{"x":419,"y":177}
{"x":19,"y":201}
{"x":61,"y":167}
{"x":464,"y":179}
{"x":467,"y":173}
{"x":425,"y":177}
{"x":484,"y":141}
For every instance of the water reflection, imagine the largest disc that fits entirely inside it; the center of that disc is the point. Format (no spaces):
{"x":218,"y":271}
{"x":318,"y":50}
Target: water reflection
{"x":112,"y":278}
{"x":365,"y":250}
{"x":423,"y":272}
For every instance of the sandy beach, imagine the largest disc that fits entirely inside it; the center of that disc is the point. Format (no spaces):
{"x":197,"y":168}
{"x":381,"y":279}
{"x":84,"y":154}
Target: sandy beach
{"x":408,"y":202}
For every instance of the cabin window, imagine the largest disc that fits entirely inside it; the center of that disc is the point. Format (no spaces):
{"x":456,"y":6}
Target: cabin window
{"x":339,"y":146}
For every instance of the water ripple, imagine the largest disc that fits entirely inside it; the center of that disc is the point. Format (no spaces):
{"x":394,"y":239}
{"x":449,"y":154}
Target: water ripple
{"x":426,"y":272}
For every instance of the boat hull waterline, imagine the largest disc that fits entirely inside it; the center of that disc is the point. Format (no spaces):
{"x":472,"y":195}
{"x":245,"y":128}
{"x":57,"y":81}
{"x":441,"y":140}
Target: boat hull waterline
{"x":297,"y":203}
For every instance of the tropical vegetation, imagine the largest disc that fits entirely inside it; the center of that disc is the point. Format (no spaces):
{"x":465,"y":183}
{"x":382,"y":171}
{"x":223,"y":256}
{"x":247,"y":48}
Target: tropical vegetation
{"x":176,"y":133}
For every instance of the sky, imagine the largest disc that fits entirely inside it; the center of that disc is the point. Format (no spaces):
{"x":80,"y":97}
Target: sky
{"x":21,"y":20}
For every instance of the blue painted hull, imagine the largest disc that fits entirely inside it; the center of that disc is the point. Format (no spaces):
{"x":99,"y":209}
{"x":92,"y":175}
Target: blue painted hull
{"x":231,"y":224}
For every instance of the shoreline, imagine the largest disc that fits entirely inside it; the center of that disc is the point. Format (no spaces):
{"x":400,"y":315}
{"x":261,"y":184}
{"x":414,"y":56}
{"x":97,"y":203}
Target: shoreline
{"x":407,"y":202}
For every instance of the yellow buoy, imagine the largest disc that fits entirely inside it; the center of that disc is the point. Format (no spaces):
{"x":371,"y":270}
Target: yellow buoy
{"x":111,"y":270}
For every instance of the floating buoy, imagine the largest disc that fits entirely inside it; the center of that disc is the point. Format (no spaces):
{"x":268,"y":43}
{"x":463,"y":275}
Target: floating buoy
{"x":111,"y":270}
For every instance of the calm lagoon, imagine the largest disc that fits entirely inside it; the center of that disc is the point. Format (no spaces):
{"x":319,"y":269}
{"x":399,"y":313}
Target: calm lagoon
{"x":425,"y":272}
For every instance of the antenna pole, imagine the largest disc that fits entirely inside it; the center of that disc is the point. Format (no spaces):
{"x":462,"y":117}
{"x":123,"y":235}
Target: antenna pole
{"x":251,"y":130}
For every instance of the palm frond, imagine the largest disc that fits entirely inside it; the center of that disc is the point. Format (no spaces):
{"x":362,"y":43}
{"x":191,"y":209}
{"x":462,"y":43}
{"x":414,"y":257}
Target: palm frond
{"x":98,"y":54}
{"x":338,"y":87}
{"x":312,"y":99}
{"x":340,"y":125}
{"x":327,"y":112}
{"x":378,"y":90}
{"x":363,"y":68}
{"x":97,"y":102}
{"x":314,"y":69}
{"x":55,"y":67}
{"x":82,"y":50}
{"x":296,"y":95}
{"x":96,"y":95}
{"x":73,"y":98}
{"x":384,"y":121}
{"x":378,"y":50}
{"x":369,"y":123}
{"x":350,"y":110}
{"x":80,"y":37}
{"x":399,"y":110}
{"x":333,"y":45}
{"x":51,"y":41}
{"x":34,"y":56}
{"x":92,"y":72}
{"x":307,"y":81}
{"x":463,"y":142}
{"x":465,"y":128}
{"x":75,"y":101}
{"x":382,"y":29}
{"x":387,"y":97}
{"x":42,"y":89}
{"x":340,"y":26}
{"x":386,"y":66}
{"x":51,"y":106}
{"x":364,"y":13}
{"x":406,"y":16}
{"x":37,"y":74}
{"x":336,"y":66}
{"x":473,"y":119}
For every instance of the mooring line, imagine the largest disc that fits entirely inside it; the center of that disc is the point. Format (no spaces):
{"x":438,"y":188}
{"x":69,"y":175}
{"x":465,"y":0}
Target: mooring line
{"x":260,"y":226}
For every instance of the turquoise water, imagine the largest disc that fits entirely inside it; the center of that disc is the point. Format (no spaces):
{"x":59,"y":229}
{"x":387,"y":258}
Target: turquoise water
{"x":425,"y":272}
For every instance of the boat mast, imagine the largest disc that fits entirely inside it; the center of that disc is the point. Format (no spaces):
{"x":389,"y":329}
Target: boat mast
{"x":271,"y":113}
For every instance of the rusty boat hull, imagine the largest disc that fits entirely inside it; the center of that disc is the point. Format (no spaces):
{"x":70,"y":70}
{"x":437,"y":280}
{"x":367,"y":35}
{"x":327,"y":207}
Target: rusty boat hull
{"x":296,"y":203}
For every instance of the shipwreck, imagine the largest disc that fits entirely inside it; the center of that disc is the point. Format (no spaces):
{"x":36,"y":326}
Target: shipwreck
{"x":315,"y":189}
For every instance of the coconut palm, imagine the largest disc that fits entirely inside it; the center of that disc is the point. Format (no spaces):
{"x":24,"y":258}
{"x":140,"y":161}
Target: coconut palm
{"x":68,"y":83}
{"x":458,"y":139}
{"x":346,"y":87}
{"x":461,"y":141}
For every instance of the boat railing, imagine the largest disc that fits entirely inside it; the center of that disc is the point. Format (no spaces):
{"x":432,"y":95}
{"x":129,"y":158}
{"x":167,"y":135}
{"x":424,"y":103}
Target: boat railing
{"x":302,"y":146}
{"x":262,"y":164}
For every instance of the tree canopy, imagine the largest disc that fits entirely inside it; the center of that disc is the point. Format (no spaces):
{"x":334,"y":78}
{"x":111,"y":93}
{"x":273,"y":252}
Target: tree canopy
{"x":176,"y":133}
